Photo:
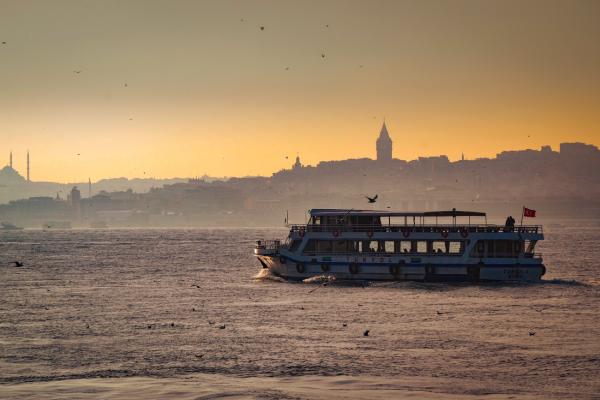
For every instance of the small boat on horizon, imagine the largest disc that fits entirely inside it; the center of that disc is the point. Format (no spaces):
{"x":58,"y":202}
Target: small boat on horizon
{"x":7,"y":226}
{"x":383,"y":245}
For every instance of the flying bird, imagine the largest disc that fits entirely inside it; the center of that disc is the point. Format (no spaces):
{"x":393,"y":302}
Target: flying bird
{"x":322,"y":55}
{"x":125,"y":85}
{"x":531,"y":333}
{"x":262,"y":28}
{"x":372,"y":199}
{"x":366,"y":333}
{"x":3,"y":42}
{"x":77,"y":72}
{"x":287,"y":68}
{"x":17,"y":263}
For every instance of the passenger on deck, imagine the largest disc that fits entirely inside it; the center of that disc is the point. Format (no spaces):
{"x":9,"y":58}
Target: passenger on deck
{"x":510,"y":224}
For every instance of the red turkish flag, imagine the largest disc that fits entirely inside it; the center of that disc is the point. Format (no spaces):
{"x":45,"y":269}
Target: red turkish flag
{"x":528,"y":212}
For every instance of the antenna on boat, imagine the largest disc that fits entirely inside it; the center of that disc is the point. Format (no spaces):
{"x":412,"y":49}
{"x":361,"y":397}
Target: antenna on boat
{"x":287,"y":218}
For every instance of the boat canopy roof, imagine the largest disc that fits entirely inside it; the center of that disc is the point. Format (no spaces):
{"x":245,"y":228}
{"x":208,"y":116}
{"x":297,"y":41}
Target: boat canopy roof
{"x":336,"y":212}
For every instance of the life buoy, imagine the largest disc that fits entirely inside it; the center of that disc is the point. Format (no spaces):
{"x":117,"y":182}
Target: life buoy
{"x":370,"y":234}
{"x":336,"y":233}
{"x":353,"y":268}
{"x":464,"y":232}
{"x":325,"y":267}
{"x":405,"y":232}
{"x":444,"y":233}
{"x":300,"y":268}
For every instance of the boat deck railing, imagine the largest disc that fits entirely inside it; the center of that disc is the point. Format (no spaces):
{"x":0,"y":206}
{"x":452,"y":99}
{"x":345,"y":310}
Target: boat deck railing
{"x":481,"y":228}
{"x":268,"y":244}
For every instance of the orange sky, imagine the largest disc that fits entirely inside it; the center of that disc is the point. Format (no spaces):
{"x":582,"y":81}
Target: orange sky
{"x":209,"y":93}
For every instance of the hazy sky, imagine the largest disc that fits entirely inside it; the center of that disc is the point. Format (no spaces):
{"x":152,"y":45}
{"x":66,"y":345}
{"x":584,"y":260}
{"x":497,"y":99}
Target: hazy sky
{"x":208,"y":91}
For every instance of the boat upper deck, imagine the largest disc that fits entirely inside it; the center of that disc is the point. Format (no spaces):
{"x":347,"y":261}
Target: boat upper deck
{"x":344,"y":220}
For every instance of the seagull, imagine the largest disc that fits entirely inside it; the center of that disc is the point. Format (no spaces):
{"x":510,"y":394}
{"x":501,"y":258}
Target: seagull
{"x":18,"y":263}
{"x":372,"y":199}
{"x":366,"y":333}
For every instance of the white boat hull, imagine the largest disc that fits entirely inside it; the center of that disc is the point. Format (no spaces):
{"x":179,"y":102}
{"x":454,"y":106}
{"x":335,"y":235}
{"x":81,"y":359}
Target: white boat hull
{"x":292,"y":270}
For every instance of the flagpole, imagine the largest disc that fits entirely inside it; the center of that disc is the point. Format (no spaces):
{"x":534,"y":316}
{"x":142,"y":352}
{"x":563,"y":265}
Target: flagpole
{"x":522,"y":213}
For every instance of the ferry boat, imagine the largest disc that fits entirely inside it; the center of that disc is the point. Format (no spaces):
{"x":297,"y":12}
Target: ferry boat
{"x":423,"y":246}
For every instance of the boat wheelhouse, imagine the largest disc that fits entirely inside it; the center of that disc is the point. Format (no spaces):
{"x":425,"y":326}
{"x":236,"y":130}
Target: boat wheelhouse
{"x":384,"y":245}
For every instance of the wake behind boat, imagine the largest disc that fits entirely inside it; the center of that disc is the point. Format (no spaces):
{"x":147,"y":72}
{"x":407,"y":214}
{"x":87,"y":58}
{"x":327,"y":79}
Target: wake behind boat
{"x":383,"y":245}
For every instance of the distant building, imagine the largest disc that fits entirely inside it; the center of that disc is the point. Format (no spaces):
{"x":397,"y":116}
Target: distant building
{"x":578,"y":149}
{"x":384,"y":145}
{"x":75,"y":196}
{"x":297,"y":165}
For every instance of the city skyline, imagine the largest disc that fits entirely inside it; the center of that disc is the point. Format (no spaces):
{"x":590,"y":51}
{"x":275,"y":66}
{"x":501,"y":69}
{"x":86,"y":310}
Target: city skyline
{"x":190,"y":88}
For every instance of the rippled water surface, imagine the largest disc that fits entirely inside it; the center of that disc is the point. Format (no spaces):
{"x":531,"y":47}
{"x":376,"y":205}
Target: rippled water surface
{"x":178,"y":313}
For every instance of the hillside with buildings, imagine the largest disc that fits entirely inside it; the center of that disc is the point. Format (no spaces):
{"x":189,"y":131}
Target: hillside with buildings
{"x":560,"y":184}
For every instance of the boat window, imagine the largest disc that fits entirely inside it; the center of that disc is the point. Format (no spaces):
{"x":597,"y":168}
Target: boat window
{"x":438,"y":247}
{"x":295,"y":245}
{"x":405,"y":246}
{"x":455,"y":247}
{"x":389,"y":246}
{"x":421,"y":246}
{"x":497,"y":248}
{"x":311,"y":246}
{"x":340,"y":246}
{"x":324,"y":246}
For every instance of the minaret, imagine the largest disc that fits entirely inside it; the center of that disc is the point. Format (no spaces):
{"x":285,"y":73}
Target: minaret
{"x":10,"y":159}
{"x":28,"y":180}
{"x":384,"y":145}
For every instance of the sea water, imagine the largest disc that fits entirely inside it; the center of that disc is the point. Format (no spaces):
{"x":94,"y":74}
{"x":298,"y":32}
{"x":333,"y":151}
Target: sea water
{"x":190,"y":314}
